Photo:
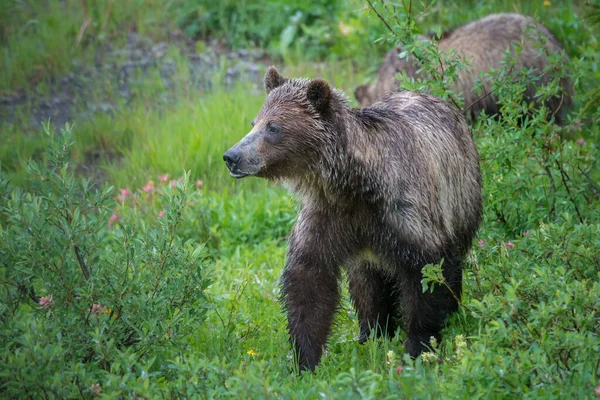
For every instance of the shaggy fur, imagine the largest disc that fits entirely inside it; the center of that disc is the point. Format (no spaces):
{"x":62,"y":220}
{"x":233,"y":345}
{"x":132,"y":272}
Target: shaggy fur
{"x":485,"y":41}
{"x":385,"y":190}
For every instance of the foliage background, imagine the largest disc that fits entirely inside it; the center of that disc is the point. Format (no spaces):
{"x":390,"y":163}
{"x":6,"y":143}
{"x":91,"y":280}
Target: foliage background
{"x":180,"y":297}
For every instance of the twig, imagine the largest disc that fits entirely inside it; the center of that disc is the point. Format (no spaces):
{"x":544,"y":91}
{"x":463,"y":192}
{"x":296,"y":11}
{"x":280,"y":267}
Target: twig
{"x":478,"y":100}
{"x":380,"y":17}
{"x":456,"y":297}
{"x":29,"y":291}
{"x":562,"y":176}
{"x":554,"y":191}
{"x":594,"y":186}
{"x":562,"y":97}
{"x":81,"y":261}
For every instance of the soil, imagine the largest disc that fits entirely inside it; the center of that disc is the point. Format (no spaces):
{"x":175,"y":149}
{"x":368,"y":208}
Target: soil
{"x":90,"y":90}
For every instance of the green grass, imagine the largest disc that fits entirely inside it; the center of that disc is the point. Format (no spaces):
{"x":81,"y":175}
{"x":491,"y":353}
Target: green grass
{"x":529,"y":324}
{"x":42,"y":40}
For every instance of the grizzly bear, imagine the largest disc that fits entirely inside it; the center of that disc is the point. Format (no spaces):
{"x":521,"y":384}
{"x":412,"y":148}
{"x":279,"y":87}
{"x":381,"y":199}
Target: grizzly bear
{"x":483,"y":43}
{"x":384,"y":191}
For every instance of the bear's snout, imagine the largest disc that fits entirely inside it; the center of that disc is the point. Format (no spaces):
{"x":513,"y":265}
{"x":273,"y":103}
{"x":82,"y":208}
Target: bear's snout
{"x":232,"y":158}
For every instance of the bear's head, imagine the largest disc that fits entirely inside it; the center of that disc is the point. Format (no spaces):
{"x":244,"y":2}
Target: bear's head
{"x":365,"y":95}
{"x":289,"y":132}
{"x":397,"y":61}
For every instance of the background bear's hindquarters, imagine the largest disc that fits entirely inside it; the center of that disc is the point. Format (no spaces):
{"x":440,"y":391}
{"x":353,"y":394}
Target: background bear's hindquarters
{"x":309,"y":283}
{"x":424,"y":313}
{"x":375,"y":298}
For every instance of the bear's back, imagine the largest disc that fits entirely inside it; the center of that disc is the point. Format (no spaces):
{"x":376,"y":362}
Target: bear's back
{"x":421,"y":149}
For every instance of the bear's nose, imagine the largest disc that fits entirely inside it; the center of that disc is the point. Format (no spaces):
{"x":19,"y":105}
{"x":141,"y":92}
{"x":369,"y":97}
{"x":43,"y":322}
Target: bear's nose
{"x":232,"y":158}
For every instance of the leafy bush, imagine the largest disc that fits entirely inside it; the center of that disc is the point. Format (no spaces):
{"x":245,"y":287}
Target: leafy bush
{"x":314,"y":28}
{"x":86,"y":287}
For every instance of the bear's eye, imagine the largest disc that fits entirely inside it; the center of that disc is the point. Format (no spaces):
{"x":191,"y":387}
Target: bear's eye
{"x":272,"y":128}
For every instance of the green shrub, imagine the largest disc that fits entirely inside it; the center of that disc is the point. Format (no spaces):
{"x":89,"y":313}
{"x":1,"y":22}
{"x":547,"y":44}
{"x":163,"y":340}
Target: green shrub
{"x":313,"y":28}
{"x":84,"y":286}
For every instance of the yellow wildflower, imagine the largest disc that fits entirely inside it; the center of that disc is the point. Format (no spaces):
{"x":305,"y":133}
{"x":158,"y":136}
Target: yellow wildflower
{"x":547,"y":3}
{"x":252,"y":352}
{"x":429,"y":357}
{"x":390,"y":357}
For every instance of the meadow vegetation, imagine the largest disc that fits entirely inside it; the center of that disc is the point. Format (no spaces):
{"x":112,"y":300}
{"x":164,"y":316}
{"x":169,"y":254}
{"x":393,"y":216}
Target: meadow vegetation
{"x":149,"y":272}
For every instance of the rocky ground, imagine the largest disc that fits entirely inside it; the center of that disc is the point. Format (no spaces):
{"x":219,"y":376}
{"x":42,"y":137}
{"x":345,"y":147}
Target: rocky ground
{"x":111,"y":81}
{"x":117,"y":76}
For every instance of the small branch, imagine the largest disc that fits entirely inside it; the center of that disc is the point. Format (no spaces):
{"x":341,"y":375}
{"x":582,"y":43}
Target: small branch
{"x":594,"y":186}
{"x":29,"y":291}
{"x":564,"y":175}
{"x":84,"y":268}
{"x":554,"y":191}
{"x":80,"y":260}
{"x":478,"y":100}
{"x":380,"y":17}
{"x":456,"y":297}
{"x":562,"y":98}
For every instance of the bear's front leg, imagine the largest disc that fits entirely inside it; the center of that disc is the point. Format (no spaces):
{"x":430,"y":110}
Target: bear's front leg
{"x":309,"y":287}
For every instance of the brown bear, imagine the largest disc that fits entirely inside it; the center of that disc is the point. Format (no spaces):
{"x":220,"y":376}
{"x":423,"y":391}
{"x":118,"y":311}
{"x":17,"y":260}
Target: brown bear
{"x":483,"y":43}
{"x":384,"y":191}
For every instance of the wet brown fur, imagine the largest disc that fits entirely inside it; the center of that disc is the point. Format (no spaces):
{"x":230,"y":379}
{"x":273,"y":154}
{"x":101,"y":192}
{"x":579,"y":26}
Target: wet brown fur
{"x":385,"y":190}
{"x":485,"y":40}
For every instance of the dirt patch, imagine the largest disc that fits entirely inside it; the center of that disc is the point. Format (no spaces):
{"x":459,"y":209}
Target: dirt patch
{"x":90,"y":90}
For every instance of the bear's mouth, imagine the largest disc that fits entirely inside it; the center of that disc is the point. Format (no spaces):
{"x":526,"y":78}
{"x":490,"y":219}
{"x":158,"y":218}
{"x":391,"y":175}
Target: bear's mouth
{"x":237,"y":175}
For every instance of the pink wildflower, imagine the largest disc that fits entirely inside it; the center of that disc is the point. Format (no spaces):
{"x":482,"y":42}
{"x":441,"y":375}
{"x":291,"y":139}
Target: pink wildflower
{"x":46,"y":301}
{"x":95,"y":388}
{"x":510,"y":245}
{"x":161,"y":214}
{"x":148,"y":187}
{"x":97,"y":308}
{"x":199,"y":184}
{"x":597,"y":390}
{"x":163,"y":179}
{"x":481,"y":243}
{"x":526,"y":234}
{"x":581,"y":142}
{"x":125,"y":193}
{"x":399,"y":369}
{"x":174,"y":182}
{"x":113,"y":220}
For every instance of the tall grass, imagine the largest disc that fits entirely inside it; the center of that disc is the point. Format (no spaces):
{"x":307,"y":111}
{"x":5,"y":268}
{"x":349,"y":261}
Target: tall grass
{"x":42,"y":40}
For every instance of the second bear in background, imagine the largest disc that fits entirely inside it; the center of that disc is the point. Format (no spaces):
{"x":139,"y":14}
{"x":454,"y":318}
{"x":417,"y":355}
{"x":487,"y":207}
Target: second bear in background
{"x":485,"y":41}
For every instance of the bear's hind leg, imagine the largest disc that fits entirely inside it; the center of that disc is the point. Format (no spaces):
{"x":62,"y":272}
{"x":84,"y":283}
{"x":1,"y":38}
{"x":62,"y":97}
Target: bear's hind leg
{"x":374,"y":297}
{"x":424,"y":314}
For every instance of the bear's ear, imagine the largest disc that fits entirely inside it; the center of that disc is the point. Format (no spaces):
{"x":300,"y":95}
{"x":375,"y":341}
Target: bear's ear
{"x":361,"y":93}
{"x":319,"y":95}
{"x":273,"y":79}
